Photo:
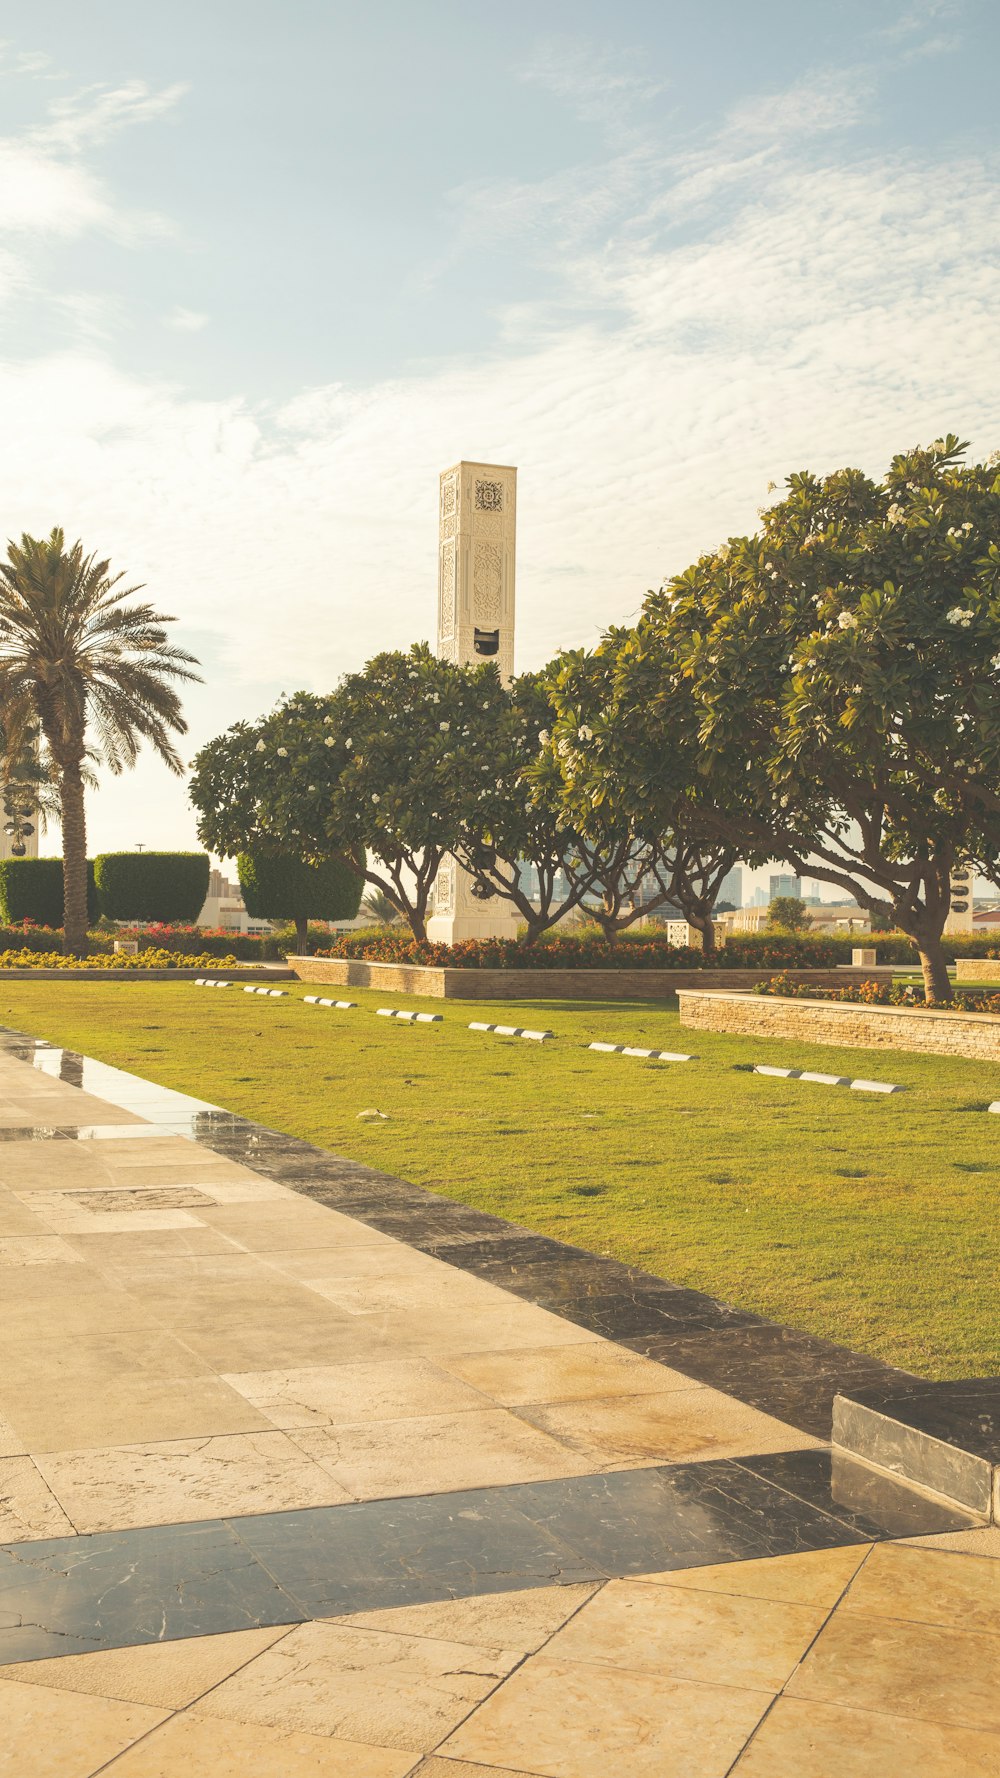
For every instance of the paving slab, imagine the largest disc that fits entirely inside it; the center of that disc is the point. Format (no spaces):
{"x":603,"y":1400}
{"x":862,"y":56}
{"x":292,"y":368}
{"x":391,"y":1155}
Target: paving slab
{"x":306,"y":1469}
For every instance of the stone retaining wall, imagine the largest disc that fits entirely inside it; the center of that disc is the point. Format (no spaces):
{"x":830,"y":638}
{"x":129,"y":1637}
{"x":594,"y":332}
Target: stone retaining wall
{"x":548,"y":984}
{"x":976,"y":1035}
{"x":977,"y":969}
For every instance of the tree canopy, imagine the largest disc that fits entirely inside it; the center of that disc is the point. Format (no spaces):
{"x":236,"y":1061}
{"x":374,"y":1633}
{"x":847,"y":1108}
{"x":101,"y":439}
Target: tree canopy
{"x":843,"y":668}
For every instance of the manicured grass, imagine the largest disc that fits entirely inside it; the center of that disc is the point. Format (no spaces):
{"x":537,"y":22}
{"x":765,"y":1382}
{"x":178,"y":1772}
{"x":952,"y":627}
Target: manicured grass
{"x":871,"y":1221}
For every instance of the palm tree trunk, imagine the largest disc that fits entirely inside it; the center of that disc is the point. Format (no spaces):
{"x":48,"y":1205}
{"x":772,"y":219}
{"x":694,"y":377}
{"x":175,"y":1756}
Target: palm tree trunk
{"x":74,"y":836}
{"x":302,"y":934}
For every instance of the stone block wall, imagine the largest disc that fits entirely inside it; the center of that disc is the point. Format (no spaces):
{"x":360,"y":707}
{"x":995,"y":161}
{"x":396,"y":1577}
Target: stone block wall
{"x":977,"y":969}
{"x":546,"y":984}
{"x":975,"y":1035}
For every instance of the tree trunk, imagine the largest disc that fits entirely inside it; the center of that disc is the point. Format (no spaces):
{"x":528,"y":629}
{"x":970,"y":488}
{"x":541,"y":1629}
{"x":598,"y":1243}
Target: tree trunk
{"x":417,"y":923}
{"x":74,"y":838}
{"x":704,"y":924}
{"x":937,"y":983}
{"x":302,"y":935}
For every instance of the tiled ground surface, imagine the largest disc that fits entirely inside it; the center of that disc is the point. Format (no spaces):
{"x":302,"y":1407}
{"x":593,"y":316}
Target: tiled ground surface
{"x":449,"y":1500}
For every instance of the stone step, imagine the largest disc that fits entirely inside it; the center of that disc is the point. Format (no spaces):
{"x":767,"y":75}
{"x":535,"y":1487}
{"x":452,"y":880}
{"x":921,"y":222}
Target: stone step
{"x":944,"y":1437}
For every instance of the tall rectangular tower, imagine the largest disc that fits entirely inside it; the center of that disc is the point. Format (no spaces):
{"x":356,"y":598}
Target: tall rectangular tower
{"x":476,"y":547}
{"x":478,"y":515}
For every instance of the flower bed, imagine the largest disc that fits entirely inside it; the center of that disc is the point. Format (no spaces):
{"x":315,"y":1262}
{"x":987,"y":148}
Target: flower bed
{"x":786,"y":987}
{"x":151,"y":959}
{"x":211,"y":943}
{"x":580,"y":953}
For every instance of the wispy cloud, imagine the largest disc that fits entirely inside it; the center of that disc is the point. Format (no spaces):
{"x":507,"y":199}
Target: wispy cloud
{"x":606,"y":86}
{"x":922,"y":22}
{"x":97,"y":113}
{"x":828,"y":100}
{"x":185,"y":320}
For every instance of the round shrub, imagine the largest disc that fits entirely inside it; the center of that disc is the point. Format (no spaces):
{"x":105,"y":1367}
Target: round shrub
{"x":281,"y":886}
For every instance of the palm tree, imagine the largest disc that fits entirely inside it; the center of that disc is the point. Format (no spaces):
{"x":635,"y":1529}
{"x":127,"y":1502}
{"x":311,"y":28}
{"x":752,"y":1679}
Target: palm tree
{"x":72,"y":653}
{"x":380,"y":909}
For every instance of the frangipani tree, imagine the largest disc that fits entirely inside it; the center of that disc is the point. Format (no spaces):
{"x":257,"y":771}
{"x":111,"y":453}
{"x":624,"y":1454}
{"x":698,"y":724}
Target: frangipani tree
{"x":379,"y":772}
{"x":509,"y":820}
{"x":843,"y":666}
{"x":631,"y":790}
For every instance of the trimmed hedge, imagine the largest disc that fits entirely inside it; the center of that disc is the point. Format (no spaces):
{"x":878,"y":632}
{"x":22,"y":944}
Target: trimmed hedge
{"x":280,"y":886}
{"x":32,"y":889}
{"x":163,"y":886}
{"x":639,"y":951}
{"x":890,"y":947}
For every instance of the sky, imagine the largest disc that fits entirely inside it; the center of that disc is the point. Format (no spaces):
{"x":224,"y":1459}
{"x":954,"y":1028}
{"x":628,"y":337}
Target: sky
{"x":266,"y":269}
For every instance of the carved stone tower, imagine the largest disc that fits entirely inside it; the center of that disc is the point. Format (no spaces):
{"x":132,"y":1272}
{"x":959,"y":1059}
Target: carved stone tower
{"x":478,"y":513}
{"x":476,"y":552}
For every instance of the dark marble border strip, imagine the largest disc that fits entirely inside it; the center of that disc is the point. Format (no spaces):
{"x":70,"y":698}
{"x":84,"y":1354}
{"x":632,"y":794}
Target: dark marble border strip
{"x":163,"y":1583}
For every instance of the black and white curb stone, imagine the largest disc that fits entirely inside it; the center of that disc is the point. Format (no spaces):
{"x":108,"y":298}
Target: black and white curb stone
{"x":624,"y":1049}
{"x":272,"y":993}
{"x":411,"y":1018}
{"x":210,"y":981}
{"x":511,"y":1031}
{"x":828,"y":1080}
{"x":315,"y":1000}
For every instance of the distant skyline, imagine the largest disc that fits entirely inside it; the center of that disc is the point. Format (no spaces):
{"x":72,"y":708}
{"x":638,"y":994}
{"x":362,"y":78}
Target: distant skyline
{"x":265,"y":271}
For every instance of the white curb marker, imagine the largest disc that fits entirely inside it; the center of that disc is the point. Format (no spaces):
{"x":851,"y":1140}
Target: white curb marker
{"x":828,"y":1080}
{"x":209,"y":981}
{"x":623,"y":1049}
{"x":314,"y":1000}
{"x":411,"y":1018}
{"x":272,"y":993}
{"x":511,"y":1031}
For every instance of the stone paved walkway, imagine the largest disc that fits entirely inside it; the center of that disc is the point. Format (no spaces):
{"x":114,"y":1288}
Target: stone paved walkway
{"x":303,"y":1497}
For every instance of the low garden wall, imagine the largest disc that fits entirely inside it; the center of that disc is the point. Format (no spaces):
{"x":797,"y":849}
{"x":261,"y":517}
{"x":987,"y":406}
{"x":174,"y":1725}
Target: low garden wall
{"x":978,"y":969}
{"x":548,"y":984}
{"x":976,"y":1035}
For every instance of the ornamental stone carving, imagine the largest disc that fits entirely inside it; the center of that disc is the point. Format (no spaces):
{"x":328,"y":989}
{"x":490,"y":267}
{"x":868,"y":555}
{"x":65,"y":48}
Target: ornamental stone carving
{"x":444,"y":888}
{"x":448,"y":590}
{"x":489,"y":496}
{"x":487,"y":586}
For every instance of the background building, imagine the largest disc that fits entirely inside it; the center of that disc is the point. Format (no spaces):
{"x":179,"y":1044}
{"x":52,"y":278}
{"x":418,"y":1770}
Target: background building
{"x":785,"y":884}
{"x":731,"y":887}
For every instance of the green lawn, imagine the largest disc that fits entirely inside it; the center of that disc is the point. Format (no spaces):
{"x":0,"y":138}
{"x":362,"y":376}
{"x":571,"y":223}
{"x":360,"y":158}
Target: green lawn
{"x":871,"y":1221}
